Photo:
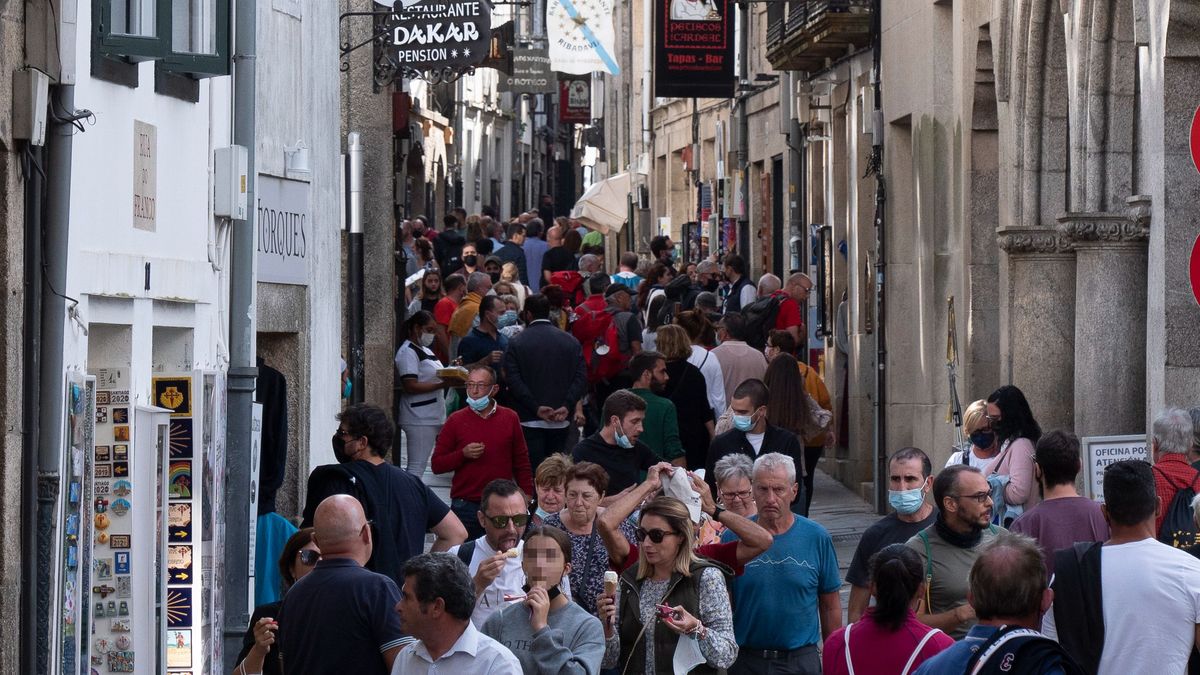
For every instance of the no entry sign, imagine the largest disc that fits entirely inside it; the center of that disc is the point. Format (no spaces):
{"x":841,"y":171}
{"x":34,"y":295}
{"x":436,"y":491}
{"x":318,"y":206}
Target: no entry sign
{"x":1194,"y":269}
{"x":1195,"y":139}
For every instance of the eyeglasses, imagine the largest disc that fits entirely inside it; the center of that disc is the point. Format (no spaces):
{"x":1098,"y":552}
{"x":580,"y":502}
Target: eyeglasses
{"x":980,"y":497}
{"x":990,"y":418}
{"x":308,"y":556}
{"x":741,"y":494}
{"x":656,"y":535}
{"x":501,"y":522}
{"x":478,"y":386}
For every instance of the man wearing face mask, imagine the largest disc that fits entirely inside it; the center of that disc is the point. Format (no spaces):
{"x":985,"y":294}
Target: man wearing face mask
{"x":708,"y":280}
{"x":616,"y":446}
{"x":470,"y":260}
{"x":753,"y":436}
{"x":909,"y":480}
{"x":480,"y":443}
{"x":949,"y":547}
{"x":401,"y":507}
{"x":485,"y":345}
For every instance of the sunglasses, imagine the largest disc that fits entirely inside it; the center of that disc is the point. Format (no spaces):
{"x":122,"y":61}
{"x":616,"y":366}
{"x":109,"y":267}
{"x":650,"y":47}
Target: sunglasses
{"x":656,"y":535}
{"x":500,"y":522}
{"x":309,"y":557}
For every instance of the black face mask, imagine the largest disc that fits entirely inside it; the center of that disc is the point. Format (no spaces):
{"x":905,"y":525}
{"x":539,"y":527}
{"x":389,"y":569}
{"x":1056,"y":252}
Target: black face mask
{"x":712,"y":285}
{"x":339,"y":449}
{"x":470,"y":260}
{"x":552,"y":592}
{"x":495,"y":277}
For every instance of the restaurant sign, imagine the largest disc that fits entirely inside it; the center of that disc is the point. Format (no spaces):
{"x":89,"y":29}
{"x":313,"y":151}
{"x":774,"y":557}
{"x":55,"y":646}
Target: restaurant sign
{"x":435,"y":35}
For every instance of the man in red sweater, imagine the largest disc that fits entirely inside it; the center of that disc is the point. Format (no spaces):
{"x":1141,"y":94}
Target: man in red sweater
{"x":481,"y":443}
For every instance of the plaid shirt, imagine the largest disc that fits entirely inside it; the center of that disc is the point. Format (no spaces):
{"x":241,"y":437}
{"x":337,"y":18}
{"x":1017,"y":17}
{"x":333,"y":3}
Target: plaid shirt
{"x":1171,"y":473}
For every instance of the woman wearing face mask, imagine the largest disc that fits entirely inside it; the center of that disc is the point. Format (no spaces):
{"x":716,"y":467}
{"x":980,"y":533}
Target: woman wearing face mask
{"x":259,"y":653}
{"x":470,"y":259}
{"x":586,"y":483}
{"x":550,"y":484}
{"x":431,"y":292}
{"x":423,"y":401}
{"x":547,"y":632}
{"x":1017,"y":432}
{"x":980,"y":447}
{"x":492,"y":266}
{"x":671,"y":601}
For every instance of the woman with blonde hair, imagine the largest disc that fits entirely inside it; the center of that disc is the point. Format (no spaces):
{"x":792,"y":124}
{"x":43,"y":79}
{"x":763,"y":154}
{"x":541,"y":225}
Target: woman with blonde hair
{"x":512,"y":276}
{"x":980,"y":447}
{"x":670,"y":594}
{"x":685,"y":388}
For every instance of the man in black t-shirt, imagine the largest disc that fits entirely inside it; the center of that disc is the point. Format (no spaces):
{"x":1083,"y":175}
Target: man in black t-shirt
{"x":401,"y":508}
{"x":616,"y":446}
{"x":340,"y":618}
{"x":909,"y":480}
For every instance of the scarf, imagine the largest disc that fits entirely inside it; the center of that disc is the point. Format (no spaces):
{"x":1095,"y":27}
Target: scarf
{"x":954,"y":538}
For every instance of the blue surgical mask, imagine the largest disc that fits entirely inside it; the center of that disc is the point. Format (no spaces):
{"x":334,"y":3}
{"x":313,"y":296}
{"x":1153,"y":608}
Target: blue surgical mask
{"x":622,"y":439}
{"x":983,"y":439}
{"x":479,"y":404}
{"x":507,"y":319}
{"x":906,"y":502}
{"x":743,"y":422}
{"x":347,"y":388}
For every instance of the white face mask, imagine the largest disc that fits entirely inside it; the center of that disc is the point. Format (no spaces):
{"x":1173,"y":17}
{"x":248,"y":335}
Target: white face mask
{"x":427,"y":340}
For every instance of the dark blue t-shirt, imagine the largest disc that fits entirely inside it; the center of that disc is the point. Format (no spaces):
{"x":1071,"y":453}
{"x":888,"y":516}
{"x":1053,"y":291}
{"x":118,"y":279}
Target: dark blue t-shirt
{"x":340,"y":618}
{"x":478,"y":345}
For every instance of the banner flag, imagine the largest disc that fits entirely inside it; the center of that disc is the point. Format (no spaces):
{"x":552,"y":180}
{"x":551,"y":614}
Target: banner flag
{"x":582,"y":37}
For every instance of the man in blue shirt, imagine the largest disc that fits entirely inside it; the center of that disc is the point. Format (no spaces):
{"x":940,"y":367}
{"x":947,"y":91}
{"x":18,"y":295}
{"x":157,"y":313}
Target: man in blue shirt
{"x":787,"y":600}
{"x":484,"y":345}
{"x":1009,"y":594}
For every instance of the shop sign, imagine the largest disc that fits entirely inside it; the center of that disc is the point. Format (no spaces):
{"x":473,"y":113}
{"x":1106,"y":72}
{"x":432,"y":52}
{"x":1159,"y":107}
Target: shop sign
{"x":693,"y":55}
{"x":1100,"y":451}
{"x":284,"y":222}
{"x":530,"y":72}
{"x":575,"y":99}
{"x":434,"y":35}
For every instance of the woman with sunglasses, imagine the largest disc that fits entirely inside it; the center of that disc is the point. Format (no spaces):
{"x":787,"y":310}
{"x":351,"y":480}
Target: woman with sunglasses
{"x":671,"y":595}
{"x":300,"y":554}
{"x":545,"y":630}
{"x":586,"y":483}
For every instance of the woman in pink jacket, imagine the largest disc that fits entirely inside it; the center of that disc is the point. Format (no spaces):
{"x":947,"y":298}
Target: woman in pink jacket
{"x":1017,"y":432}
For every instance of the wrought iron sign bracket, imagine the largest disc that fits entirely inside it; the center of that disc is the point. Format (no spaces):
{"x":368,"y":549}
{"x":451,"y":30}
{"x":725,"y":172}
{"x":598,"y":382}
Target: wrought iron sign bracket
{"x":386,"y":69}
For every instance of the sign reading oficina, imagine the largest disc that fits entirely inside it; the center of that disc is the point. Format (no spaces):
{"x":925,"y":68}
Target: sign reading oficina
{"x":1100,"y":451}
{"x":430,"y":34}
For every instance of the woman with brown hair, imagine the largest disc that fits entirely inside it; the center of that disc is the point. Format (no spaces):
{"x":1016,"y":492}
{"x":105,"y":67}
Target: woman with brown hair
{"x":671,"y":593}
{"x":685,"y":388}
{"x":791,"y":383}
{"x":259,"y":654}
{"x":704,"y":337}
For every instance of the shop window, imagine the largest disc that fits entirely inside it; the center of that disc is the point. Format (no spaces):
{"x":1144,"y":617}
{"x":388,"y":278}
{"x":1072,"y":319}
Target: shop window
{"x":187,"y":37}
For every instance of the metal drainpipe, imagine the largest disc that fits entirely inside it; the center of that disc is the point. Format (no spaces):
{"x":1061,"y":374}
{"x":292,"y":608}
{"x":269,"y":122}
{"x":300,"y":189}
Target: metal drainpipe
{"x":354,"y":268}
{"x":743,"y":122}
{"x":31,"y":390}
{"x":880,"y":271}
{"x":242,"y":369}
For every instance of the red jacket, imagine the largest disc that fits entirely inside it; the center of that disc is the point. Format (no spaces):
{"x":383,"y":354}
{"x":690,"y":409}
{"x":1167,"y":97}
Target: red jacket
{"x":504,"y":453}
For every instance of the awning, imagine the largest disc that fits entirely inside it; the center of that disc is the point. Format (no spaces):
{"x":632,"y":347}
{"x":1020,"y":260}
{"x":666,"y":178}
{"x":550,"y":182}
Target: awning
{"x":605,"y":205}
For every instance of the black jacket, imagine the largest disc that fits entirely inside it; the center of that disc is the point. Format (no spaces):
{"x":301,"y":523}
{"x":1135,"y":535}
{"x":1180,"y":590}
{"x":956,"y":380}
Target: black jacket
{"x":544,"y":366}
{"x":514,"y":254}
{"x":776,"y":439}
{"x":447,"y":248}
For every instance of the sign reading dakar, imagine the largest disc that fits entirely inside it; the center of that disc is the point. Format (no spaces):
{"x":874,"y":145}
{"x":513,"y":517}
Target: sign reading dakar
{"x":440,"y":34}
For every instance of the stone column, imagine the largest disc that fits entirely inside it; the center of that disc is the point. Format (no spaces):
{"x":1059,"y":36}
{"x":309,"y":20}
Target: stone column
{"x":1038,"y":316}
{"x":1110,"y":319}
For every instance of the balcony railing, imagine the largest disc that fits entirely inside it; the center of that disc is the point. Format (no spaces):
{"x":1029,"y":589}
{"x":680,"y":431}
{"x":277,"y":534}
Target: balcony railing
{"x":812,"y":30}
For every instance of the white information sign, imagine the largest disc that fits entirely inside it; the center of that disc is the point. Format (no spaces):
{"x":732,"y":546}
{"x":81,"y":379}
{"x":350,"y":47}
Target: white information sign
{"x":284,"y":222}
{"x":1100,"y":451}
{"x":145,"y":176}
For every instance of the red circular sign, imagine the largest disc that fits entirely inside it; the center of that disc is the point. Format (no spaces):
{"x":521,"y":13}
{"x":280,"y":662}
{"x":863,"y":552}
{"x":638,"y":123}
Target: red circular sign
{"x":1195,"y":138}
{"x":1194,"y":269}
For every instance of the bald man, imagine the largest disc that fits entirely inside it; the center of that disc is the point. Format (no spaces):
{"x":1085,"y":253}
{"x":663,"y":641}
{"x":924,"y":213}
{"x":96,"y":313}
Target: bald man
{"x":338,"y":618}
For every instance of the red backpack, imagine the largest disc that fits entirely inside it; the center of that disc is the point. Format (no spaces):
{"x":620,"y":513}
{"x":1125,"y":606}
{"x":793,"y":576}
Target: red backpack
{"x":597,"y":334}
{"x":572,"y":285}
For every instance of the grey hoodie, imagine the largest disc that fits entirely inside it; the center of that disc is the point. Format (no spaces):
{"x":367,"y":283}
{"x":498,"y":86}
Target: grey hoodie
{"x":572,"y":641}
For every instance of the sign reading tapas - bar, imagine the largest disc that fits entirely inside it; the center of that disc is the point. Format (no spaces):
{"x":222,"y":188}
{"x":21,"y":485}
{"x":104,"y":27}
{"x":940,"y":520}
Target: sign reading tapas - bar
{"x":693,"y":56}
{"x":430,"y":35}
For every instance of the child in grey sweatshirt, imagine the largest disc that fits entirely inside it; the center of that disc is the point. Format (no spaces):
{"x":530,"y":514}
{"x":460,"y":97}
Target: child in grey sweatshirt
{"x":572,"y":641}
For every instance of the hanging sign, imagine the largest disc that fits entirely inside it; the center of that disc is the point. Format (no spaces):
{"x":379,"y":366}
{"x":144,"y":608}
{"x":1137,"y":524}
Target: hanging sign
{"x":582,"y":37}
{"x":575,"y":99}
{"x":434,"y":35}
{"x":530,"y":72}
{"x":693,"y":55}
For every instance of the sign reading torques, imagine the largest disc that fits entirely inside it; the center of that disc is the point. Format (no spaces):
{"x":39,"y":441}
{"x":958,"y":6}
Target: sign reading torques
{"x":431,"y":35}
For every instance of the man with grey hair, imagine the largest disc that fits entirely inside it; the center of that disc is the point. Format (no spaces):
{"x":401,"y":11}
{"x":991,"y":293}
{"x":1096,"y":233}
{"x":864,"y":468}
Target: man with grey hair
{"x":338,"y":618}
{"x":708,"y":280}
{"x":436,"y":602}
{"x":787,"y":599}
{"x":1195,"y":455}
{"x":768,"y":284}
{"x":1007,"y":588}
{"x":1170,"y":447}
{"x":588,"y":264}
{"x":479,"y":284}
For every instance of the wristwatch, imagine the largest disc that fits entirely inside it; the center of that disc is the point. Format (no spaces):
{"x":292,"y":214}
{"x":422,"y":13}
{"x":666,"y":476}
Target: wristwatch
{"x":716,"y":514}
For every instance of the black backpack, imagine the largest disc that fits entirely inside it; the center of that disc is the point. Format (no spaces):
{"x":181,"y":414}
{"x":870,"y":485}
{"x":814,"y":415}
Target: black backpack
{"x":760,"y":319}
{"x":1020,"y":650}
{"x":1179,"y":526}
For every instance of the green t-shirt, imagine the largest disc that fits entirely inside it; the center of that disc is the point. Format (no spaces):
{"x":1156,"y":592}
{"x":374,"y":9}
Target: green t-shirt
{"x":951,"y":566}
{"x":660,"y":431}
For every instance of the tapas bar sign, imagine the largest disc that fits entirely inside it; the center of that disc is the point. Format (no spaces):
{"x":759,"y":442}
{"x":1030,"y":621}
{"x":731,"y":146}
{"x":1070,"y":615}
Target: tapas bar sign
{"x":693,"y":49}
{"x":433,"y":35}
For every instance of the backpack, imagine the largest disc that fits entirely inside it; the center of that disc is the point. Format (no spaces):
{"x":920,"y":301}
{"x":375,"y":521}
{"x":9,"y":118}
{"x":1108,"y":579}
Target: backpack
{"x":1079,"y":603}
{"x":1013,"y":649}
{"x":572,"y":285}
{"x":1178,"y":526}
{"x":597,"y":335}
{"x":760,"y":319}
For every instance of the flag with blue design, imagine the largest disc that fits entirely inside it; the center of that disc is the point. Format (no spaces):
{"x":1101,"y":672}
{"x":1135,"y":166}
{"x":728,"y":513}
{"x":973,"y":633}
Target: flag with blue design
{"x":581,"y":36}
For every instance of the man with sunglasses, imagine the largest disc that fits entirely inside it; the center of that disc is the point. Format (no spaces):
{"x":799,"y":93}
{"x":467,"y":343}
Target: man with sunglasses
{"x":495,"y":570}
{"x":480,"y":443}
{"x":950,"y":546}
